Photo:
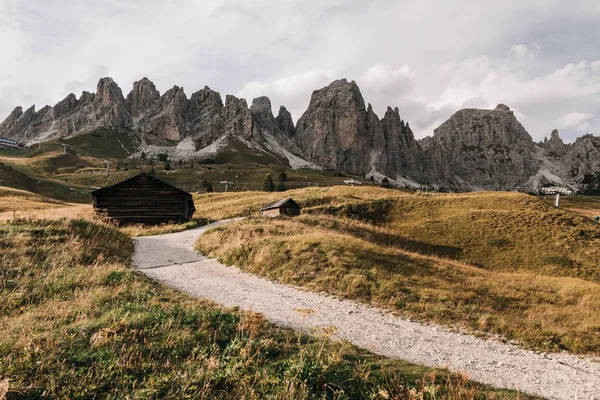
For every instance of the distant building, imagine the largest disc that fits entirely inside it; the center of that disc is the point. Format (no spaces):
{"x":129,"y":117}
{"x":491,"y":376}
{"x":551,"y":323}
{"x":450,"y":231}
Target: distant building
{"x":282,"y":207}
{"x":143,"y":199}
{"x":352,"y":182}
{"x":557,"y":189}
{"x":9,"y":143}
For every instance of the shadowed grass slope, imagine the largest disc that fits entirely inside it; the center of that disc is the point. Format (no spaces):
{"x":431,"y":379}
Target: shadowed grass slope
{"x":501,"y":263}
{"x":77,"y":322}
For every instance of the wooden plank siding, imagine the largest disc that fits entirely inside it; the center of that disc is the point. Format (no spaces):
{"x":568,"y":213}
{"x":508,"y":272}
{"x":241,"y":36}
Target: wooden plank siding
{"x":286,"y":207}
{"x":143,"y":199}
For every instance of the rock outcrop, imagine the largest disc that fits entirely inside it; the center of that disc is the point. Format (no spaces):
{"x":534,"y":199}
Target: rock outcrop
{"x":331,"y":130}
{"x":554,"y":147}
{"x":142,"y":98}
{"x":337,"y":131}
{"x":285,"y":123}
{"x":581,"y":164}
{"x":401,"y":154}
{"x":481,"y":149}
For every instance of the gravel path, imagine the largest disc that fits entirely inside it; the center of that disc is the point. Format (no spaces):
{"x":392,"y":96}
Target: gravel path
{"x":172,"y":260}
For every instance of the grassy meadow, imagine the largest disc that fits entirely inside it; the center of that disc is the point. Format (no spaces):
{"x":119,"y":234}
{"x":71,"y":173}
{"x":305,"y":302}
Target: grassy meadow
{"x":502,"y":264}
{"x":76,"y":321}
{"x":68,"y":169}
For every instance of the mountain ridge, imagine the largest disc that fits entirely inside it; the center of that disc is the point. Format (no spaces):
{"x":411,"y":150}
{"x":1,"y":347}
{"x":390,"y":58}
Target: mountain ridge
{"x":474,"y":149}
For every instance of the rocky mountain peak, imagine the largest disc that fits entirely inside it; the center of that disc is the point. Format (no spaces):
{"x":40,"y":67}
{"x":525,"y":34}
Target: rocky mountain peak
{"x":15,"y":114}
{"x":262,"y":115}
{"x":142,"y":97}
{"x":108,"y":92}
{"x":176,"y":94}
{"x":338,"y":91}
{"x":555,"y":137}
{"x":207,"y":97}
{"x":65,"y":106}
{"x":86,"y":97}
{"x":237,"y":118}
{"x":204,"y":117}
{"x":285,"y":122}
{"x":502,"y":107}
{"x":334,"y":130}
{"x":555,"y":147}
{"x":261,"y":105}
{"x":483,"y":147}
{"x":235,"y":104}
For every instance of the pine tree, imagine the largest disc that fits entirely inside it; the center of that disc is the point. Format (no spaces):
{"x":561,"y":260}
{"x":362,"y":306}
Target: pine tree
{"x":208,"y":185}
{"x":152,"y":171}
{"x":167,"y":165}
{"x":268,"y":184}
{"x":143,"y":156}
{"x":282,"y":176}
{"x":385,"y":183}
{"x":281,"y":187}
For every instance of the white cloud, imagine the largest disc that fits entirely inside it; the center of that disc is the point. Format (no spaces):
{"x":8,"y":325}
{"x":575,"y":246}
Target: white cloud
{"x":576,"y":120}
{"x":380,"y":79}
{"x":293,"y":92}
{"x":380,"y":85}
{"x":538,"y":57}
{"x":542,"y":102}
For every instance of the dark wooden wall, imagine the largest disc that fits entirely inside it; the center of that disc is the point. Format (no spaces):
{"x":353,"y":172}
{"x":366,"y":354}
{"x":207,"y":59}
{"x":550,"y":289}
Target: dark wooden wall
{"x":290,"y":211}
{"x":144,"y":200}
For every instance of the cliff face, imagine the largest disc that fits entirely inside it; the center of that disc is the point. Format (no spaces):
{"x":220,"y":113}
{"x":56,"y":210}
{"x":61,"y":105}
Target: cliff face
{"x":487,"y":149}
{"x":339,"y":132}
{"x":581,"y":163}
{"x":333,"y":131}
{"x":401,"y":153}
{"x":481,"y":148}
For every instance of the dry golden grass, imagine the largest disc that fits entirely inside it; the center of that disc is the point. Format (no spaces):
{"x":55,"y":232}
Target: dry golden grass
{"x":217,"y":206}
{"x":4,"y":389}
{"x":588,"y":206}
{"x":495,"y":262}
{"x":21,"y":204}
{"x":502,"y":263}
{"x":77,"y":322}
{"x":15,"y":203}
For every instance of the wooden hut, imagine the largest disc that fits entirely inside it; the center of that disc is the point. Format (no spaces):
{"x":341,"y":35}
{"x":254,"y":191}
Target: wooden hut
{"x":143,"y":199}
{"x":282,"y":207}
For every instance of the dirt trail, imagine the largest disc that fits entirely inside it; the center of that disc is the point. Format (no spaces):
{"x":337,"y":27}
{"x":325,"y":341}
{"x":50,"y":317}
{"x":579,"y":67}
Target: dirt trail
{"x":172,"y":260}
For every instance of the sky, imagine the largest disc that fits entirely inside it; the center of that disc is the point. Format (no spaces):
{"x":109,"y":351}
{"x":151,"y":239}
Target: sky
{"x":428,"y":58}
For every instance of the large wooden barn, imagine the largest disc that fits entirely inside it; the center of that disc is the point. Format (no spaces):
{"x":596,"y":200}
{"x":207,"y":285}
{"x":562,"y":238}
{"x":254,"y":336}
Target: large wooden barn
{"x":143,"y":199}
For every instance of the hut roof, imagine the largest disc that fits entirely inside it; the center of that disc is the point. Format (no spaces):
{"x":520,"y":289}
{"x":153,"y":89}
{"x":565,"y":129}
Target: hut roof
{"x":131,"y":180}
{"x":280,"y":203}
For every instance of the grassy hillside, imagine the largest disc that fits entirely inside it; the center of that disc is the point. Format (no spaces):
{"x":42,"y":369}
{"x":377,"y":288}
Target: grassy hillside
{"x":12,"y":177}
{"x":587,"y":206}
{"x":82,"y":166}
{"x":501,"y":263}
{"x":77,"y":322}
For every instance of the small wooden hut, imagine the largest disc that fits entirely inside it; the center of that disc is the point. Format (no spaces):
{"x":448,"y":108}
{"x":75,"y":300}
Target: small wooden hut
{"x":143,"y":199}
{"x":282,"y":207}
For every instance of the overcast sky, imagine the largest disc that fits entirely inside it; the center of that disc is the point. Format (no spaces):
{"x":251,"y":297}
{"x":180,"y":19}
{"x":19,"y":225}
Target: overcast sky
{"x":429,"y":58}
